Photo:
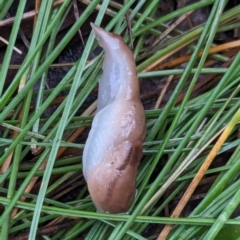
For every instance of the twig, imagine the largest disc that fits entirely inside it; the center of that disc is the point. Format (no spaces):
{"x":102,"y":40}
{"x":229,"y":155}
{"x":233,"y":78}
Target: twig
{"x":6,"y":42}
{"x":46,"y":230}
{"x":76,"y":14}
{"x":26,"y":15}
{"x":170,"y":28}
{"x":159,"y":100}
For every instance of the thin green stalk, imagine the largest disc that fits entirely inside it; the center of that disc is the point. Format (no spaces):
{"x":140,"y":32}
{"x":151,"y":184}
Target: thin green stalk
{"x":117,"y":217}
{"x":28,"y":60}
{"x":25,"y":225}
{"x":212,"y":211}
{"x":153,"y":8}
{"x":146,"y":13}
{"x":138,"y":31}
{"x":171,"y":102}
{"x":61,"y":180}
{"x":34,"y":197}
{"x":164,"y":115}
{"x":180,"y":71}
{"x":40,"y":28}
{"x":49,"y":49}
{"x":72,"y":170}
{"x":17,"y":195}
{"x":12,"y":40}
{"x":4,"y":7}
{"x":217,"y":189}
{"x":63,"y":121}
{"x":168,"y":46}
{"x":39,"y":113}
{"x":74,"y":231}
{"x":89,"y":74}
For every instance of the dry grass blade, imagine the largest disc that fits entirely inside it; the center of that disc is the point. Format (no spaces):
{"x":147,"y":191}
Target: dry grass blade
{"x":156,"y":63}
{"x":214,"y":49}
{"x":198,"y":177}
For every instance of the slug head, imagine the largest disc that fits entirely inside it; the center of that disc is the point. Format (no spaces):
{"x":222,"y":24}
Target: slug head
{"x":107,"y":40}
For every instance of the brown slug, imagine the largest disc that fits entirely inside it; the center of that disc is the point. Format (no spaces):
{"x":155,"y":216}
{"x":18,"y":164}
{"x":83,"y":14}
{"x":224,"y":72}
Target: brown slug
{"x":114,"y":146}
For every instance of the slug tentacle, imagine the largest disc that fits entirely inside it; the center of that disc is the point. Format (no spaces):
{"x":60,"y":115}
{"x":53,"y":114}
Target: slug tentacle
{"x":114,"y":146}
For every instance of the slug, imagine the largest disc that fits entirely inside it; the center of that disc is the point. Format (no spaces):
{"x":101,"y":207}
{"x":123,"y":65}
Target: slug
{"x":113,"y":149}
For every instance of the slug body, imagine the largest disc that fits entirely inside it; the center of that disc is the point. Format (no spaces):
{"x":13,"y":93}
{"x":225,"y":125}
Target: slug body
{"x":114,"y":146}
